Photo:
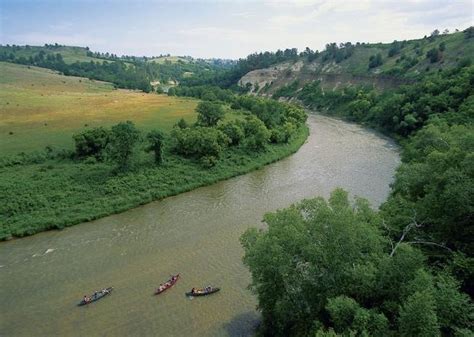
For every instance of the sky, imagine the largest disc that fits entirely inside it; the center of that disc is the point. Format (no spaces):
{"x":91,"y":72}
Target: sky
{"x":223,"y":29}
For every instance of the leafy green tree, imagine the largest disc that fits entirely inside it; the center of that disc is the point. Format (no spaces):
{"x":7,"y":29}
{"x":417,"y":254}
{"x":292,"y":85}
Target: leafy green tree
{"x":199,"y":142}
{"x":233,"y":130}
{"x":435,"y":187}
{"x":283,"y":133}
{"x":256,"y":133}
{"x":311,"y":252}
{"x":442,"y":46}
{"x":123,"y":138}
{"x":434,"y":55}
{"x":92,"y":142}
{"x":375,"y":61}
{"x":418,"y":316}
{"x":209,"y":113}
{"x":182,"y":124}
{"x":155,"y":139}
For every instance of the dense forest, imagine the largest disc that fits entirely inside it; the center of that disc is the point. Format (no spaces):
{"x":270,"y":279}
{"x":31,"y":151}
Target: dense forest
{"x":335,"y":267}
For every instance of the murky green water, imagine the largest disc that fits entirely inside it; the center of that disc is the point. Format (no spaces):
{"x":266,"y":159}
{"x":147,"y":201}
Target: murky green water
{"x":196,"y":234}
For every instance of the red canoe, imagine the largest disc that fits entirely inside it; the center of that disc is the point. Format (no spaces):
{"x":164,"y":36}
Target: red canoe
{"x":168,"y":284}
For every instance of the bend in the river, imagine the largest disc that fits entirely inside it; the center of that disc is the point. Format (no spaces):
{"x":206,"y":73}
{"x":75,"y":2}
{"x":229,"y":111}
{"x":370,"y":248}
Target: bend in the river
{"x":195,"y":233}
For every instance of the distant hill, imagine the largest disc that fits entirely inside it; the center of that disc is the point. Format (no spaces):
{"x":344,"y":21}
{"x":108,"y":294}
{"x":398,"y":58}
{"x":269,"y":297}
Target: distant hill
{"x":383,"y":65}
{"x":129,"y":72}
{"x":69,"y":54}
{"x":40,"y":107}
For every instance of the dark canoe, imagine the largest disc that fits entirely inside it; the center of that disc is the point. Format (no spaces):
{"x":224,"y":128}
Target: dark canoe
{"x":168,"y":284}
{"x":203,"y":292}
{"x":97,"y":296}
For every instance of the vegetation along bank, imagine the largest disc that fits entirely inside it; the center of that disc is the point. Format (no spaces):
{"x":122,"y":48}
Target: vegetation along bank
{"x":339,"y":268}
{"x":112,"y":169}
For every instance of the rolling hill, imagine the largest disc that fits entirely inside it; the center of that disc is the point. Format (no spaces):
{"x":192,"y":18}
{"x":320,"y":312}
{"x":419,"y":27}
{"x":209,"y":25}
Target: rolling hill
{"x":381,"y":65}
{"x":39,"y":107}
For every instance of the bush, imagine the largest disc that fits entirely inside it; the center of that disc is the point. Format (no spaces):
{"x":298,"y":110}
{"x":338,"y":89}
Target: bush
{"x":198,"y":142}
{"x":92,"y":142}
{"x":234,"y":131}
{"x":209,"y":113}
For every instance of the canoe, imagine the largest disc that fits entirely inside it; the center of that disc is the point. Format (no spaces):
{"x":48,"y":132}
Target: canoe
{"x":97,"y":296}
{"x":168,"y":284}
{"x":203,"y":292}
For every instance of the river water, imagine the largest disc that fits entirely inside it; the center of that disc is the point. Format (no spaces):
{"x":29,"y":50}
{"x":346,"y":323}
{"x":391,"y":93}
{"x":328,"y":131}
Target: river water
{"x":196,"y":234}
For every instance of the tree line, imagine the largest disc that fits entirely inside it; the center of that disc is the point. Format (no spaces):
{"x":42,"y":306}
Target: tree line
{"x":123,"y":72}
{"x":336,"y":268}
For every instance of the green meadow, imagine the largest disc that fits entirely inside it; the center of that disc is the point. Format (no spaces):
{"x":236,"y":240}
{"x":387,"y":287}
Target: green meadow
{"x":40,"y":108}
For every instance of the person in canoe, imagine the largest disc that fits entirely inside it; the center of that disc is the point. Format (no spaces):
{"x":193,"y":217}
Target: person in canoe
{"x":86,"y":299}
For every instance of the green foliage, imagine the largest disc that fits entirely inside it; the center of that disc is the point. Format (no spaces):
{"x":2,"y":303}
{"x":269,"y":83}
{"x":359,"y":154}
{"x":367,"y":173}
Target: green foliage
{"x":125,"y":72}
{"x":43,"y":191}
{"x":418,"y":316}
{"x":395,"y":48}
{"x":283,"y":133}
{"x":347,"y":315}
{"x":92,"y":142}
{"x":436,"y":183}
{"x":123,"y":138}
{"x":375,"y":61}
{"x":325,"y":265}
{"x":311,"y":252}
{"x":256,"y":134}
{"x":199,"y":142}
{"x":209,"y":113}
{"x":446,"y":95}
{"x":234,"y":131}
{"x":182,"y":124}
{"x":434,"y":55}
{"x":287,"y":90}
{"x":155,"y":139}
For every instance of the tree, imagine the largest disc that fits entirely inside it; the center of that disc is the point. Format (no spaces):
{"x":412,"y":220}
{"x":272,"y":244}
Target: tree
{"x":233,"y":130}
{"x":442,"y":46}
{"x":312,"y":252}
{"x":209,"y":113}
{"x":92,"y":142}
{"x":418,"y":316}
{"x":256,"y":133}
{"x":155,"y":139}
{"x":123,"y":138}
{"x":375,"y":61}
{"x":434,"y":55}
{"x":199,"y":142}
{"x":182,"y":124}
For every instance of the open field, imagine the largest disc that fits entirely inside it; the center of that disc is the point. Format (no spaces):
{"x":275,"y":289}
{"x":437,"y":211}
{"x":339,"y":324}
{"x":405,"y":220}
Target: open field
{"x":38,"y":107}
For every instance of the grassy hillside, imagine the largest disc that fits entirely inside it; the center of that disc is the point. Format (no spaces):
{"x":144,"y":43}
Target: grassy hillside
{"x":39,"y":107}
{"x":171,"y":59}
{"x":399,"y":62}
{"x":70,"y":54}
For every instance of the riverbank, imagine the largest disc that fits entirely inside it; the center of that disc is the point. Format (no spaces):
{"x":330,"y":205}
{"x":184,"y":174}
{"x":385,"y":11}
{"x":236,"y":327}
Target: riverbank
{"x":194,"y":233}
{"x":44,"y":196}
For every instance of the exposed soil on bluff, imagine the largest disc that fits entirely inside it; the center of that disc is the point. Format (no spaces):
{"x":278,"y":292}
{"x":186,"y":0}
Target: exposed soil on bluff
{"x":266,"y":81}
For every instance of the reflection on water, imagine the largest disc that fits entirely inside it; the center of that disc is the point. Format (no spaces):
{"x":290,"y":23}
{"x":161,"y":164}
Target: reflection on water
{"x":195,"y":233}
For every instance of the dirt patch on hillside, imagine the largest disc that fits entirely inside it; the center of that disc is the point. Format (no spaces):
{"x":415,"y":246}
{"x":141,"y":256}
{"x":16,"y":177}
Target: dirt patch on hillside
{"x":266,"y":81}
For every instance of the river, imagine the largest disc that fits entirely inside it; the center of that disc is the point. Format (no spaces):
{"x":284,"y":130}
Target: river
{"x":42,"y":277}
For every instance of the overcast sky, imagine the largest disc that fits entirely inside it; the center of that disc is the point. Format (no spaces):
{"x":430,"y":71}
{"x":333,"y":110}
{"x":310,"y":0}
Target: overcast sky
{"x":224,"y":29}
